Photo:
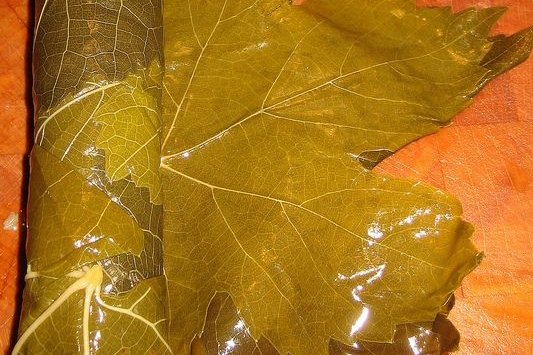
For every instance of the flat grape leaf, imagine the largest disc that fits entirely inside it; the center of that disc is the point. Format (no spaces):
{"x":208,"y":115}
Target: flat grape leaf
{"x":225,"y":331}
{"x":272,"y":116}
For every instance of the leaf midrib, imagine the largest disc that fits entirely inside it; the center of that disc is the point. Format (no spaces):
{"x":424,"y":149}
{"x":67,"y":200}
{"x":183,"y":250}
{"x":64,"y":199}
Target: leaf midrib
{"x":292,"y":204}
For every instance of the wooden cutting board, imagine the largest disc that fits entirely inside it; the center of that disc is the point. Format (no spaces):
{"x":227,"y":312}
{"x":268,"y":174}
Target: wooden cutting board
{"x":485,"y":159}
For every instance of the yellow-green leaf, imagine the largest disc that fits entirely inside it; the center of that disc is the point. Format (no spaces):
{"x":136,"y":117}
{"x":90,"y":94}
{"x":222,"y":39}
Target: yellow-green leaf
{"x":245,"y":168}
{"x":273,"y":116}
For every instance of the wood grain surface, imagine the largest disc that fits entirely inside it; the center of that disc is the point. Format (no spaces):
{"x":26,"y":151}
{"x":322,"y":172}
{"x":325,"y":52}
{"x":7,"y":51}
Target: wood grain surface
{"x":484,"y":158}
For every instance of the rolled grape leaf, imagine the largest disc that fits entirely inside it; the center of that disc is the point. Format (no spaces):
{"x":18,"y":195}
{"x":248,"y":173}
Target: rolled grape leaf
{"x":201,"y":177}
{"x":95,"y":280}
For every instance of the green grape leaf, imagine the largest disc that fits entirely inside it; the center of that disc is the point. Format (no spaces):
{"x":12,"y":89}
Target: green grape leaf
{"x":202,"y":178}
{"x":272,"y":116}
{"x":126,"y":129}
{"x":225,"y":331}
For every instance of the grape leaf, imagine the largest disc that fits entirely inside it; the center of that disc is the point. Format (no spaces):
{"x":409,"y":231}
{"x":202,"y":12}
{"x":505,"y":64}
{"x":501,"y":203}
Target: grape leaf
{"x":273,"y":116}
{"x":95,"y":280}
{"x":225,"y":331}
{"x":245,"y":169}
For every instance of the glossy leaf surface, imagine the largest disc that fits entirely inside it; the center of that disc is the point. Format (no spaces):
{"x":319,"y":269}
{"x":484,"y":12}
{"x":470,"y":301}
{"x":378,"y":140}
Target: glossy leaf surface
{"x":245,"y":169}
{"x":273,"y":115}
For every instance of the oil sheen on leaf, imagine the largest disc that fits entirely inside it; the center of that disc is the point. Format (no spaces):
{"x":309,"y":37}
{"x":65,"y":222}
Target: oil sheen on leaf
{"x":273,"y":114}
{"x":242,"y":164}
{"x":95,"y":281}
